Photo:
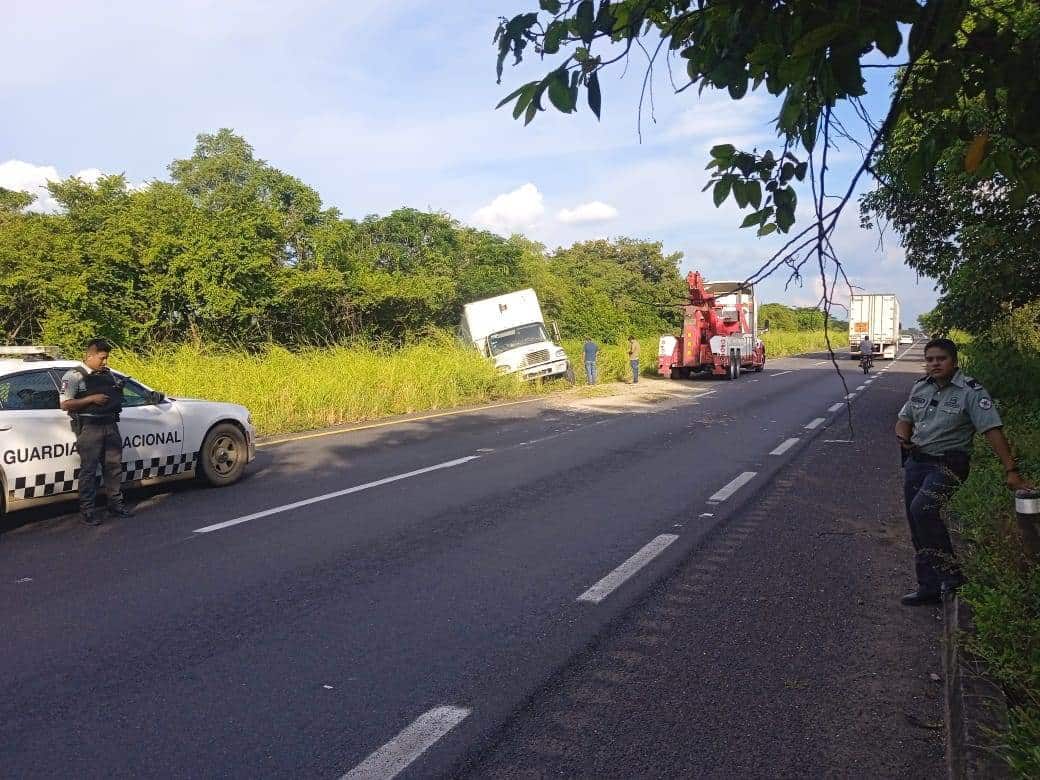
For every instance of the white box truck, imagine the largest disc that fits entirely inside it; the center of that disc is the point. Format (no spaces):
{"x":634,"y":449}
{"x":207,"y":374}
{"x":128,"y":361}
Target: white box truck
{"x":875,"y":315}
{"x":509,"y":329}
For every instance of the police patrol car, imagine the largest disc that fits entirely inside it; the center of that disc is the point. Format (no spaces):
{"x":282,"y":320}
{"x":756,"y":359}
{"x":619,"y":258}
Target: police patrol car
{"x":164,"y":439}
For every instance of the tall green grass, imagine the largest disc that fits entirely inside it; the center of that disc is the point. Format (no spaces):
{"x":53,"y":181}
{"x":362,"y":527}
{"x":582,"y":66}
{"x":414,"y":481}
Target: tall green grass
{"x":316,"y":388}
{"x":1004,"y":588}
{"x":782,"y":343}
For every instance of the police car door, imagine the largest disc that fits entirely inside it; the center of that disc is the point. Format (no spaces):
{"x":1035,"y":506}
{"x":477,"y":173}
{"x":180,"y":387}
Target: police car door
{"x":37,"y":447}
{"x":153,"y":435}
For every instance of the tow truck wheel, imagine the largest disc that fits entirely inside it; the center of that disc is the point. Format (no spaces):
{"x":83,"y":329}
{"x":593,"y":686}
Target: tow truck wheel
{"x":223,"y":456}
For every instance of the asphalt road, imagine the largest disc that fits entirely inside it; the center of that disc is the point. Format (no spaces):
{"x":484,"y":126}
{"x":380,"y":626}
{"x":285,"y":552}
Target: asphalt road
{"x":385,"y":598}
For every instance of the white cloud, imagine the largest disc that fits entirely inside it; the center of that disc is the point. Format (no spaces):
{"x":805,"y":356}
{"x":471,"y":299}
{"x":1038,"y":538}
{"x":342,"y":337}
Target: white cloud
{"x":23,"y":176}
{"x":27,"y":177}
{"x":512,"y":210}
{"x":90,"y":175}
{"x":594,"y":211}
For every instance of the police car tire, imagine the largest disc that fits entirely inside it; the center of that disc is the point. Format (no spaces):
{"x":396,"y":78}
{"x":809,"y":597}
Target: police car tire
{"x":214,"y":464}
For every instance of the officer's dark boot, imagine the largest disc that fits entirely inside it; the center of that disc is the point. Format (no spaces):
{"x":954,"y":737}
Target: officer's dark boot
{"x":90,"y":517}
{"x":920,"y":597}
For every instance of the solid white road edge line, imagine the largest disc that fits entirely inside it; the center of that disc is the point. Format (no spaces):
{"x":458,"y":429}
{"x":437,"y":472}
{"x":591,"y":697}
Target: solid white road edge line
{"x":850,"y":396}
{"x":616,"y":578}
{"x":785,"y":446}
{"x":327,"y":496}
{"x":836,"y":407}
{"x":396,"y":755}
{"x":734,"y":486}
{"x":781,"y":373}
{"x":815,"y":423}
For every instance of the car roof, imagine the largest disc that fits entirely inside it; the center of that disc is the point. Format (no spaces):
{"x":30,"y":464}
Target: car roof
{"x":17,"y":366}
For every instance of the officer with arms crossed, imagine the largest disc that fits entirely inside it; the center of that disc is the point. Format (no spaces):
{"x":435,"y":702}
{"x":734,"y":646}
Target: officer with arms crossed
{"x":94,"y":401}
{"x":935,"y":430}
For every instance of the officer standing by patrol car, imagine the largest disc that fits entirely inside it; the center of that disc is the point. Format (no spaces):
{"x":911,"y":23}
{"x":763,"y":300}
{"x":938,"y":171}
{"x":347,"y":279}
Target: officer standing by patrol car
{"x":935,"y":430}
{"x":94,"y":400}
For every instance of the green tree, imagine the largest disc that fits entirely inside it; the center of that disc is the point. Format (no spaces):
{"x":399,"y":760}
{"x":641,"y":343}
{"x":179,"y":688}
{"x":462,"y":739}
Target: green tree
{"x":811,"y":56}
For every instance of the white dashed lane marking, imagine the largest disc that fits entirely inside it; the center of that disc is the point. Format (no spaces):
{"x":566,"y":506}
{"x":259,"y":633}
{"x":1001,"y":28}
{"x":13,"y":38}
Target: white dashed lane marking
{"x":397,"y":754}
{"x":733,"y":486}
{"x":815,"y":423}
{"x":781,"y":373}
{"x":836,"y":407}
{"x":616,"y":578}
{"x":336,"y":494}
{"x":785,"y":446}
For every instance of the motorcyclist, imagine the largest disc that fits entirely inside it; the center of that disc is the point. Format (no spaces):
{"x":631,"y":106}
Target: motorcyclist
{"x":866,"y":348}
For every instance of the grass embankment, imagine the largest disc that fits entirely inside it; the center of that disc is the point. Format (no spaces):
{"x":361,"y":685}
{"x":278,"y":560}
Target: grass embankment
{"x":315,"y":388}
{"x":1004,"y":588}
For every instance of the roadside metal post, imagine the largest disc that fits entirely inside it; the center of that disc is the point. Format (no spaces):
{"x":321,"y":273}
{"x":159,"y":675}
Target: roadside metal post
{"x":1027,"y":507}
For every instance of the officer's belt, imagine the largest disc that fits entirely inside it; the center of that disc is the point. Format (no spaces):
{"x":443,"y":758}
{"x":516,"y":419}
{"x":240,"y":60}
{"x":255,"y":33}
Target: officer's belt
{"x":98,"y":419}
{"x":924,"y":457}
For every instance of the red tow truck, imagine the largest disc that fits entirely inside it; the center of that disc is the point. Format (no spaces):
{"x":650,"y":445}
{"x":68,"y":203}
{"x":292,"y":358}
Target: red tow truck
{"x":719,"y":333}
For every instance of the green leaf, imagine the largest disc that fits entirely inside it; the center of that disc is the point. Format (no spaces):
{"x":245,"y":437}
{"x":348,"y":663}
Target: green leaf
{"x":586,"y":21}
{"x":846,"y":68}
{"x":553,"y":37}
{"x":753,"y":190}
{"x":532,"y":109}
{"x":889,"y":39}
{"x":820,"y":37}
{"x":800,"y":170}
{"x":513,"y":94}
{"x":721,"y":191}
{"x":740,"y":192}
{"x":751,"y":219}
{"x":552,"y":6}
{"x":524,"y":99}
{"x":559,"y":92}
{"x":758,"y":217}
{"x":765,"y":230}
{"x":605,"y":19}
{"x":789,"y":113}
{"x":723,"y":151}
{"x":594,"y":96}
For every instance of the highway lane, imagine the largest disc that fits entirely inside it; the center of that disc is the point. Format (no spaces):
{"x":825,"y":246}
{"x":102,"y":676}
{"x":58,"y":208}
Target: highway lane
{"x":300,"y":642}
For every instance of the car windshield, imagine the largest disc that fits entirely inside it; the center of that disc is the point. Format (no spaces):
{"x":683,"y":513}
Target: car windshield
{"x":519,"y":336}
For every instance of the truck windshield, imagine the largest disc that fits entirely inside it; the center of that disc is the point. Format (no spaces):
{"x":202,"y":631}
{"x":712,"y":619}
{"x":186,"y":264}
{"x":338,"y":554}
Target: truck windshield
{"x":520,"y":336}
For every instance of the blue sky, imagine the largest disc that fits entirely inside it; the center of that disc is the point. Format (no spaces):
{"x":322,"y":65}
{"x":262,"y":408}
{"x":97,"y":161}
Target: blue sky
{"x":386,"y":104}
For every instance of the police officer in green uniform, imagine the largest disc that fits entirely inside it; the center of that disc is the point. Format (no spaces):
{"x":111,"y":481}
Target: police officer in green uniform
{"x":935,"y":429}
{"x":94,"y":399}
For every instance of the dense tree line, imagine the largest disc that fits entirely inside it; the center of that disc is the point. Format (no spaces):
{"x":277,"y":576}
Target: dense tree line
{"x":232,"y":250}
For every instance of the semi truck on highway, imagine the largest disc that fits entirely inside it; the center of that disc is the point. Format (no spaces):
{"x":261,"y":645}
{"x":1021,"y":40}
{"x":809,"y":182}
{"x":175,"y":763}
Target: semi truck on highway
{"x":510,"y":330}
{"x":719,"y":335}
{"x":875,"y":315}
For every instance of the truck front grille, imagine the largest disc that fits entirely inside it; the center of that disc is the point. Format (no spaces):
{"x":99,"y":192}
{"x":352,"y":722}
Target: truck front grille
{"x":534,"y":358}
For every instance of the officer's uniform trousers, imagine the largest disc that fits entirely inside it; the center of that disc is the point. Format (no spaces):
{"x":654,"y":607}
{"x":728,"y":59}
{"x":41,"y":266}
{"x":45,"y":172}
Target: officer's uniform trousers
{"x":928,"y":484}
{"x":99,"y":443}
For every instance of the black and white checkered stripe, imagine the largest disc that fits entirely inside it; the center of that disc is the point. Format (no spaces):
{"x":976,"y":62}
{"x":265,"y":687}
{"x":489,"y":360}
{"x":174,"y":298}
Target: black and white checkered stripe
{"x":52,"y":483}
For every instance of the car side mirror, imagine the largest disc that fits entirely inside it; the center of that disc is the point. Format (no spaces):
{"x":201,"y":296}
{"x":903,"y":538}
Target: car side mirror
{"x":156,"y":397}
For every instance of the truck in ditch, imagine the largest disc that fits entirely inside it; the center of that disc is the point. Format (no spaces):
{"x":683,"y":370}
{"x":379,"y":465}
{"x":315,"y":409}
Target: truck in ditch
{"x":510,"y":330}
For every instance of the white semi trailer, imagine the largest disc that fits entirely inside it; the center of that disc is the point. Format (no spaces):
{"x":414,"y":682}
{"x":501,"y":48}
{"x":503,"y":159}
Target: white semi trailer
{"x":875,"y":315}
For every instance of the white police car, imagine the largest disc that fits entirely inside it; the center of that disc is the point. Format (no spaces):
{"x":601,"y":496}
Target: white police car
{"x":164,"y":438}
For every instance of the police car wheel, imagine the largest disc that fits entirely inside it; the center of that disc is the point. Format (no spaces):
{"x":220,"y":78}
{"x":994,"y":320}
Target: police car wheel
{"x":224,"y":454}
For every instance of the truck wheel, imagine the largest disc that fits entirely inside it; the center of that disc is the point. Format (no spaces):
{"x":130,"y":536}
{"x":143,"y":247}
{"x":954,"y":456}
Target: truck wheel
{"x":222,"y":459}
{"x":675,"y":373}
